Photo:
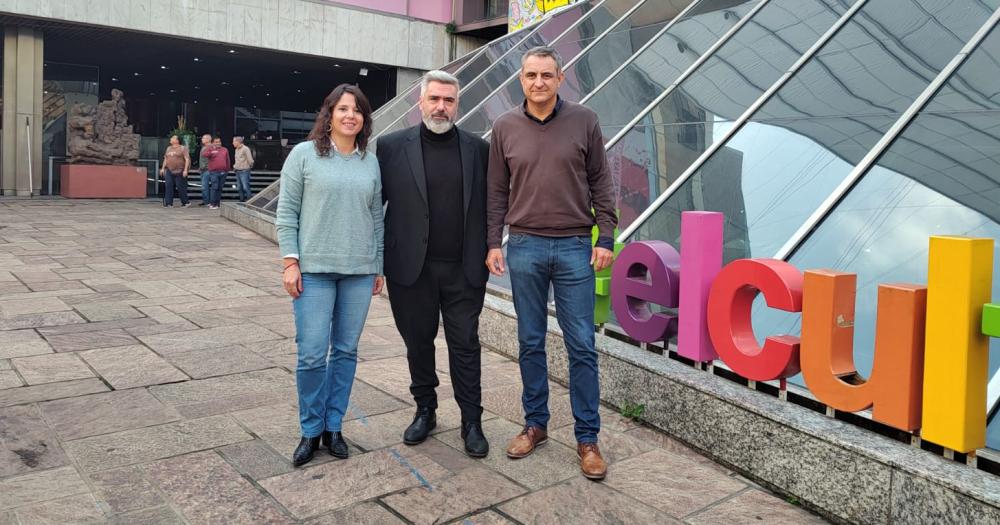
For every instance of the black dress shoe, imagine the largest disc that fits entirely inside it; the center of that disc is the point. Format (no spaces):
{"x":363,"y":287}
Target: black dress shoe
{"x":335,"y":442}
{"x":305,"y":451}
{"x":475,"y":442}
{"x":423,"y":422}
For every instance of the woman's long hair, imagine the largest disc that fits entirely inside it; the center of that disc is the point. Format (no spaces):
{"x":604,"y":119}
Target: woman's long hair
{"x":320,"y":134}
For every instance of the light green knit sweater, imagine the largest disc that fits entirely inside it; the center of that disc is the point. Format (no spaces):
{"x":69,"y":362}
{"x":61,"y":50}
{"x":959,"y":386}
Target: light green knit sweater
{"x":330,"y":211}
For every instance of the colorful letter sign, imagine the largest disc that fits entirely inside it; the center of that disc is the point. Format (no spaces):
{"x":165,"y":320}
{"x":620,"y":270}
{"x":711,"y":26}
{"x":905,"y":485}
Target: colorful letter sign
{"x":645,"y":272}
{"x":828,"y":333}
{"x":729,"y":304}
{"x":959,"y":280}
{"x":931,"y":343}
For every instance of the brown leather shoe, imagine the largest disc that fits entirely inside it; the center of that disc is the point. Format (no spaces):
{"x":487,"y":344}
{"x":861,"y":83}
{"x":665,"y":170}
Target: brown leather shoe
{"x":591,"y":462}
{"x":526,"y":442}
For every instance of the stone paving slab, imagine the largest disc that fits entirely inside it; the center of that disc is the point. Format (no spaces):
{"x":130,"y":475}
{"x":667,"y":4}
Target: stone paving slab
{"x":132,"y":366}
{"x":85,"y":416}
{"x":131,"y":394}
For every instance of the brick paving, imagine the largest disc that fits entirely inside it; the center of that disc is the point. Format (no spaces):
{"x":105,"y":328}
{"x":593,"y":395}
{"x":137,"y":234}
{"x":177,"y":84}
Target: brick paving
{"x":146,"y":376}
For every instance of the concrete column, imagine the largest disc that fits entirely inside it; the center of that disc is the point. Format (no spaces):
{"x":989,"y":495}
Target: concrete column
{"x":22,"y":112}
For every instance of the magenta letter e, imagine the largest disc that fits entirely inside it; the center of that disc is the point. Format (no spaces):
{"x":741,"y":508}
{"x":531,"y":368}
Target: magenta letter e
{"x":645,"y":272}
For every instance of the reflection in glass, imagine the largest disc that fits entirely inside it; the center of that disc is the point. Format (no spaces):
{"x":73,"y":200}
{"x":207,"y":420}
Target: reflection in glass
{"x":587,"y":71}
{"x":474,"y":90}
{"x":777,"y":169}
{"x":656,"y":68}
{"x":465,"y":68}
{"x":701,"y":109}
{"x":940,"y":177}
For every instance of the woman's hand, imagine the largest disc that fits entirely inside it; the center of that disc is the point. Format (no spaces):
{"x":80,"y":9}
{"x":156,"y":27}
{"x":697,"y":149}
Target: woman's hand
{"x":292,"y":280}
{"x":379,"y":283}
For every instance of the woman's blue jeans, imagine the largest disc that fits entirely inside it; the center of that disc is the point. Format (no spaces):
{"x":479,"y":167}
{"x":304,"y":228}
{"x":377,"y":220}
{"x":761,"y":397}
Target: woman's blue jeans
{"x":329,"y":317}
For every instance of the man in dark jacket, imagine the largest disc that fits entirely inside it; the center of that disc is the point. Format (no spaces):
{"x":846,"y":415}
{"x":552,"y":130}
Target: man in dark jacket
{"x":434,"y":181}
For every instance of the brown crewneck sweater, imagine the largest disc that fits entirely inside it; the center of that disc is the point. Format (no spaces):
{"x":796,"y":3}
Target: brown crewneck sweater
{"x":544,"y":178}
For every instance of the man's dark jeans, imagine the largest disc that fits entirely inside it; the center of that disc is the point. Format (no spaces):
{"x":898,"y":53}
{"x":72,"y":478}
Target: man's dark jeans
{"x":535,"y":263}
{"x":218,"y":180}
{"x":175,"y":181}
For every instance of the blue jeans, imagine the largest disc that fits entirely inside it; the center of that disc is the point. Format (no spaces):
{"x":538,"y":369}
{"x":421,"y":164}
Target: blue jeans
{"x":206,"y":183}
{"x":243,"y":184}
{"x":329,"y":317}
{"x":564,"y":262}
{"x":218,"y":179}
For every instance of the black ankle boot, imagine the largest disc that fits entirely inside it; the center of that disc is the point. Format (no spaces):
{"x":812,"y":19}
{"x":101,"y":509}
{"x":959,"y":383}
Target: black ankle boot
{"x":305,"y":451}
{"x":423,"y":422}
{"x":335,"y":442}
{"x":475,"y":442}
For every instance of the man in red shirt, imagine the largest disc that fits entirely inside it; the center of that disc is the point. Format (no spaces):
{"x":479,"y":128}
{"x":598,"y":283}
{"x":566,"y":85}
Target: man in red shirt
{"x":218,"y":167}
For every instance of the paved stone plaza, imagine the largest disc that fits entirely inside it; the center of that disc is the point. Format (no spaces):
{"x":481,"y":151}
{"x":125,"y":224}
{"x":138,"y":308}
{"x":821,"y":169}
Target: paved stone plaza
{"x":147,"y":376}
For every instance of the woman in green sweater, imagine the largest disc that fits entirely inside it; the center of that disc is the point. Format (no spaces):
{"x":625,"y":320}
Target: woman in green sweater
{"x":330,"y":235}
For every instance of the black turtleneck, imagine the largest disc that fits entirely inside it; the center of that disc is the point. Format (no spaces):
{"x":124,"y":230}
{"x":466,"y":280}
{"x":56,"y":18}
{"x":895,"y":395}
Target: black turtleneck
{"x":443,"y":169}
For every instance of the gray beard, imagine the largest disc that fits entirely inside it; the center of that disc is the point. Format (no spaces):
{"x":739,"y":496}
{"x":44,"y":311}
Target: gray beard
{"x":438,"y":127}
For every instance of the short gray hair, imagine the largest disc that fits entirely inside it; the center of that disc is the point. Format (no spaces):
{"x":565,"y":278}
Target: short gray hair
{"x":544,"y":51}
{"x":438,"y":76}
{"x":239,"y":138}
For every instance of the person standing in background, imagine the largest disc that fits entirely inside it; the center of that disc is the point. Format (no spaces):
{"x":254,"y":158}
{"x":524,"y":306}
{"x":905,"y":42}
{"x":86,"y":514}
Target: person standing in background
{"x":242,"y":164}
{"x":176,"y":162}
{"x":218,"y":167}
{"x":206,"y":180}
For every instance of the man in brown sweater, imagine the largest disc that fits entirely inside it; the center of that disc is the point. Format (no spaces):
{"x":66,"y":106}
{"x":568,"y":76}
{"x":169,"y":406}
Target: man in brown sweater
{"x":547,"y":172}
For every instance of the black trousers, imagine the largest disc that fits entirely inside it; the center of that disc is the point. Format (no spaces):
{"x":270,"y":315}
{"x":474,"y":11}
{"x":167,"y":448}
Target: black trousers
{"x":175,"y":181}
{"x":441,"y":289}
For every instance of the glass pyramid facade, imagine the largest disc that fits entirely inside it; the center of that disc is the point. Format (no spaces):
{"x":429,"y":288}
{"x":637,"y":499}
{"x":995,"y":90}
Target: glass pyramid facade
{"x":831,"y":133}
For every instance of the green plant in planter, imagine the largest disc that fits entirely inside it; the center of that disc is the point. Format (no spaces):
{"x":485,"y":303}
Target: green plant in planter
{"x":186,"y":136}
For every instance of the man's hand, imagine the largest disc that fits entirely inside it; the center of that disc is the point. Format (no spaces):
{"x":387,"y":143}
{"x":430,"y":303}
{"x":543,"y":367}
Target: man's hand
{"x":185,"y":174}
{"x":379,"y":283}
{"x":601,"y":258}
{"x":494,"y":261}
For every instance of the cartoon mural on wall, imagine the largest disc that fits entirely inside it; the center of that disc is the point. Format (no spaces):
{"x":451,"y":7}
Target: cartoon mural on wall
{"x":523,"y":13}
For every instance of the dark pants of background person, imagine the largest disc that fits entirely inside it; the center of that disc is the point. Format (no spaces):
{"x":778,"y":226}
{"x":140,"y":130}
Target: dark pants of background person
{"x":206,"y":184}
{"x":441,"y":288}
{"x":218,"y":179}
{"x":175,"y":182}
{"x":243,"y":184}
{"x":564,"y":262}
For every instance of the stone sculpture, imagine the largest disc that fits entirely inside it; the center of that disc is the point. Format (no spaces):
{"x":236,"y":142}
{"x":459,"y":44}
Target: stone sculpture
{"x":101,"y":135}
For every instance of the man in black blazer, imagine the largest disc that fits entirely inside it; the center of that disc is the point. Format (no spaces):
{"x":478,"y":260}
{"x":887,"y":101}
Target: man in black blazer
{"x":434,"y":181}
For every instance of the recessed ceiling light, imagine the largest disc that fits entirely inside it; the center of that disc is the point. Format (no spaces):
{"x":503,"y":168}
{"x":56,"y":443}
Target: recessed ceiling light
{"x":164,"y":67}
{"x":232,"y":51}
{"x":197,"y":87}
{"x":296,"y":72}
{"x":137,"y":74}
{"x":195,"y":101}
{"x":196,"y":59}
{"x":173,"y":91}
{"x":299,"y":90}
{"x":267,"y":94}
{"x":336,"y":65}
{"x":224,"y":83}
{"x":114,"y":79}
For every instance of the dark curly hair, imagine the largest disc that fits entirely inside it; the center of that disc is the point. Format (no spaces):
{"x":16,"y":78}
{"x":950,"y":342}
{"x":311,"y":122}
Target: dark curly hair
{"x":320,"y":134}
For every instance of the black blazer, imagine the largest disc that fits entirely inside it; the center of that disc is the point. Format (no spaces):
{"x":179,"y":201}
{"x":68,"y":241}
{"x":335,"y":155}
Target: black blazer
{"x":404,"y":188}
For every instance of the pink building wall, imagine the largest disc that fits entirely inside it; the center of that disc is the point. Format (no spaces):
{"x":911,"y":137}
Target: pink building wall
{"x":431,"y":10}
